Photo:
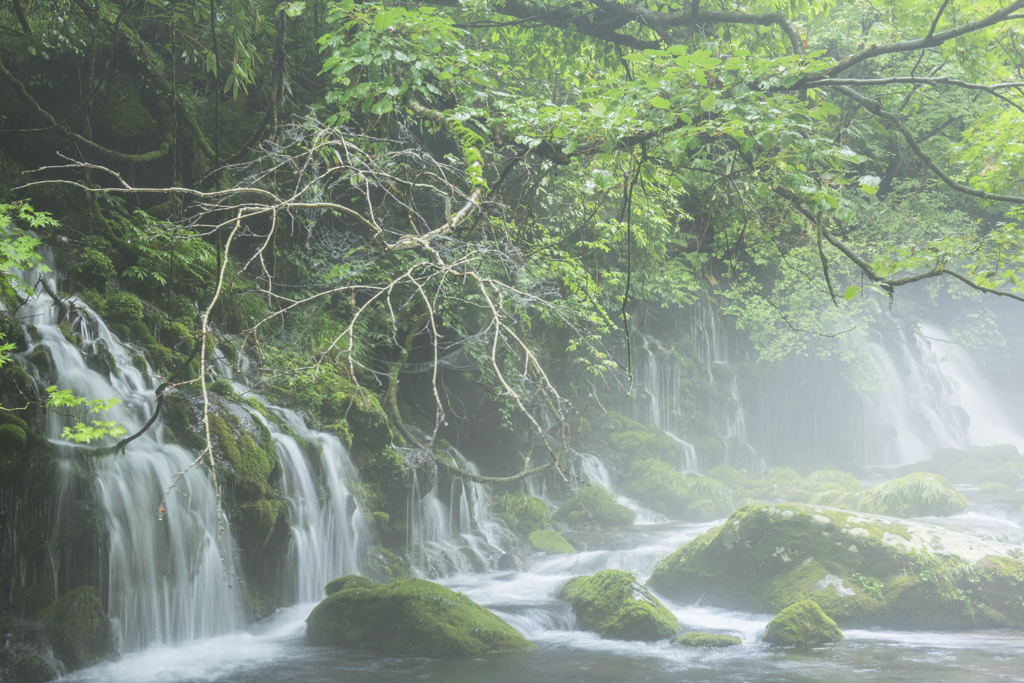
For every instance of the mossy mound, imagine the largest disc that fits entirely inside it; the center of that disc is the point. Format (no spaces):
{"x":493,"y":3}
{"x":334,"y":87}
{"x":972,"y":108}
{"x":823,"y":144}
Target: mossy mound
{"x":32,"y":669}
{"x":658,"y":486}
{"x":409,"y":617}
{"x":623,"y":441}
{"x":831,"y":480}
{"x":549,"y":541}
{"x":730,"y":476}
{"x":612,"y":604}
{"x":802,"y":623}
{"x":1001,"y":464}
{"x":861,"y":569}
{"x":78,"y":628}
{"x":522,"y":513}
{"x":697,"y":639}
{"x":601,"y":505}
{"x":915,"y":495}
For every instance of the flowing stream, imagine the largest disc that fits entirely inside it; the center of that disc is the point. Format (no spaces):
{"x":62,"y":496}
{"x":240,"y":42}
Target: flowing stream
{"x":179,"y":618}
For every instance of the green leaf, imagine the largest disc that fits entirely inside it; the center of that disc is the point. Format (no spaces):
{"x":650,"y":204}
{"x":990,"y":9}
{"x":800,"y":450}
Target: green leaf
{"x":383,"y":106}
{"x":869,"y":184}
{"x":660,"y":102}
{"x":708,"y":103}
{"x":851,"y":292}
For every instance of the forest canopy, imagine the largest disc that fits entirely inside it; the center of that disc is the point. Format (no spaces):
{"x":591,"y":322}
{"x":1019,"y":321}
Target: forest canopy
{"x":366,"y":185}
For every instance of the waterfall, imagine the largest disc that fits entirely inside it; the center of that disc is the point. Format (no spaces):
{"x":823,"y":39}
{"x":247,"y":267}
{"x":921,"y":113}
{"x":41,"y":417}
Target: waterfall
{"x":932,"y":396}
{"x":329,"y":531}
{"x":450,"y":526}
{"x":169,"y":576}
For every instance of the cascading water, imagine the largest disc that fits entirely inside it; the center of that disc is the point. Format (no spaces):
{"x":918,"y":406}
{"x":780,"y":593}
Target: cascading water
{"x":169,"y":574}
{"x":931,"y":396}
{"x":662,"y":382}
{"x":451,"y":529}
{"x":329,"y":531}
{"x":172,"y":577}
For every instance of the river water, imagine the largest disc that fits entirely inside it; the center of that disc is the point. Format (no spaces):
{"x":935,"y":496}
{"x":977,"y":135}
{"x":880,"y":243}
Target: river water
{"x":276,"y":650}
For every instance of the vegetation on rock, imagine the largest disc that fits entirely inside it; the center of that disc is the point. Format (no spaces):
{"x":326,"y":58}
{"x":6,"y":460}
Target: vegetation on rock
{"x":594,"y":502}
{"x":802,"y":623}
{"x":78,"y":628}
{"x":698,"y":639}
{"x":861,"y":570}
{"x":915,"y":495}
{"x":613,"y":604}
{"x":410,"y":617}
{"x":549,"y":541}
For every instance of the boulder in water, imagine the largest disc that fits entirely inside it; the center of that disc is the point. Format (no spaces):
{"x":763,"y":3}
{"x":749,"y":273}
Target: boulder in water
{"x":613,"y":604}
{"x":862,"y":570}
{"x":409,"y":617}
{"x":802,"y":623}
{"x":510,"y":562}
{"x":549,"y":541}
{"x":594,"y":502}
{"x":697,"y":639}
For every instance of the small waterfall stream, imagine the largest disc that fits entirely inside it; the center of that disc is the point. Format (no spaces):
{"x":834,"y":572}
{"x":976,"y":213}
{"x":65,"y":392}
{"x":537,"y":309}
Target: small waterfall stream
{"x":169,"y":578}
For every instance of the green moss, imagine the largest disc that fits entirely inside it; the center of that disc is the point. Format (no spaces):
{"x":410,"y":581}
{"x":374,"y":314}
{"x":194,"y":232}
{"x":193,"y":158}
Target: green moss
{"x":94,"y":269}
{"x":697,"y":639}
{"x":730,"y":476}
{"x":783,"y":477}
{"x":78,"y":629}
{"x":802,"y":623}
{"x":860,"y":570}
{"x":549,"y":541}
{"x":123,"y":308}
{"x":612,"y":604}
{"x":915,"y":495}
{"x":834,"y":480}
{"x":521,"y":512}
{"x":707,"y":499}
{"x":655,"y":483}
{"x":409,"y":617}
{"x":599,"y":502}
{"x":249,"y":455}
{"x":224,"y":387}
{"x":385,"y":566}
{"x":257,"y":521}
{"x":32,"y":669}
{"x":343,"y":582}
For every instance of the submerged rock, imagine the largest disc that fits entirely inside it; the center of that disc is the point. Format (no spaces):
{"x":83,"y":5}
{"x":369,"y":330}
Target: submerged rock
{"x":861,"y":569}
{"x":411,"y":617}
{"x":802,"y":623}
{"x":614,"y":605}
{"x":697,"y":639}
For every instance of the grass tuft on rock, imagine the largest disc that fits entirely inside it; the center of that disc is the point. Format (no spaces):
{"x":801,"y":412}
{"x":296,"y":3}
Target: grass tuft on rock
{"x":697,"y":639}
{"x":915,"y":495}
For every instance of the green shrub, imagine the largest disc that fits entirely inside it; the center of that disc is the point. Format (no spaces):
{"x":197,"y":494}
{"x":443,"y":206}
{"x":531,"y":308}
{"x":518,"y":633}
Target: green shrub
{"x":123,"y":308}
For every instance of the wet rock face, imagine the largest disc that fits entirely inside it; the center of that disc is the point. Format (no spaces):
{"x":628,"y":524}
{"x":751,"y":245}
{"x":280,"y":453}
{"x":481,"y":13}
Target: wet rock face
{"x":802,"y":623}
{"x":862,"y":570}
{"x":410,"y":617}
{"x":612,"y":604}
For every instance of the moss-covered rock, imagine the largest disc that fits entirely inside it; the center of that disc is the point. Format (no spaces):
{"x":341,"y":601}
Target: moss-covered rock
{"x":549,"y":541}
{"x":658,"y":485}
{"x":915,"y":495}
{"x":411,"y":617}
{"x":601,"y":505}
{"x":32,"y":669}
{"x":730,"y":476}
{"x":697,"y":639}
{"x":831,"y":480}
{"x":802,"y":623}
{"x":522,"y":513}
{"x":612,"y":604}
{"x":624,"y":441}
{"x":861,"y":569}
{"x":343,"y":582}
{"x":123,"y":308}
{"x":78,"y":628}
